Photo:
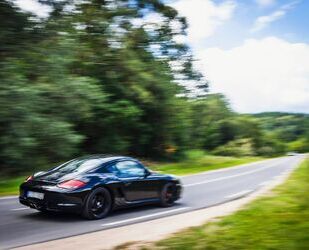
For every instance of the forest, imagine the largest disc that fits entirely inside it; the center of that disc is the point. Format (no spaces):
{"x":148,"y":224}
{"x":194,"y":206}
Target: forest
{"x":101,"y":76}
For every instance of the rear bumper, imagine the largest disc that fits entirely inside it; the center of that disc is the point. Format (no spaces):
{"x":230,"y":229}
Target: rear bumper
{"x":54,"y":201}
{"x":51,"y":206}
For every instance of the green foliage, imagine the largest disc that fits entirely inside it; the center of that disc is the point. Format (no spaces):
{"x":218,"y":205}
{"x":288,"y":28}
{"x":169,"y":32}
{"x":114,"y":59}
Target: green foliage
{"x":94,"y":80}
{"x":215,"y":127}
{"x":279,"y":221}
{"x":10,"y":186}
{"x":301,"y":145}
{"x":211,"y":123}
{"x":99,"y":77}
{"x":239,"y":147}
{"x":284,"y":132}
{"x":285,"y":126}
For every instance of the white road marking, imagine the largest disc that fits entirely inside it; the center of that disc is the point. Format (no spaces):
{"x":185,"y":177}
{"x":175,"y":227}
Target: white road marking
{"x":144,"y":217}
{"x":231,"y":176}
{"x":20,"y":208}
{"x":239,"y":194}
{"x":8,"y":197}
{"x":245,"y":165}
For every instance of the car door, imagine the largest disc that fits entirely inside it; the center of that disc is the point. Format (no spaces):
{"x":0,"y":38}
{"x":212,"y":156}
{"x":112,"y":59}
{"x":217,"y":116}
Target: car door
{"x":136,"y":184}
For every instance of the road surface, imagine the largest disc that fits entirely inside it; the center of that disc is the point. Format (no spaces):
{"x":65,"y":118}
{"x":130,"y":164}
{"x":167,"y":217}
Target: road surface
{"x":20,"y":225}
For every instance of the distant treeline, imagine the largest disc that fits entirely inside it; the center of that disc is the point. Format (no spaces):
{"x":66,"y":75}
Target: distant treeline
{"x":101,"y":77}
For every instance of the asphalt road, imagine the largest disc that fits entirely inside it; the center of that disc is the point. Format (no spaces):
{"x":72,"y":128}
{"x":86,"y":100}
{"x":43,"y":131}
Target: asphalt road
{"x":20,"y":225}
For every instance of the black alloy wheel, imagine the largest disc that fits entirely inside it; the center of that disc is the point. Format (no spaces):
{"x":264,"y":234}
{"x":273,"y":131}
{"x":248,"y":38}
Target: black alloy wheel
{"x":168,"y":195}
{"x":98,"y":204}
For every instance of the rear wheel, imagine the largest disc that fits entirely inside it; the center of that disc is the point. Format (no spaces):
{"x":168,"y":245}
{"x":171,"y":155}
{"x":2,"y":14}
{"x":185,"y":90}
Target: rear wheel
{"x":98,"y":204}
{"x":168,"y":195}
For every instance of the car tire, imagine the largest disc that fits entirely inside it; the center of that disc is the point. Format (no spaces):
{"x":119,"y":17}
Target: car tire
{"x":98,"y":204}
{"x":168,"y":195}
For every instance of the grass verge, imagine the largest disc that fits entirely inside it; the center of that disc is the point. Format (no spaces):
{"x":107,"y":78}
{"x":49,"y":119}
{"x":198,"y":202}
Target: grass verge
{"x":197,"y":161}
{"x":277,"y":221}
{"x":10,"y":186}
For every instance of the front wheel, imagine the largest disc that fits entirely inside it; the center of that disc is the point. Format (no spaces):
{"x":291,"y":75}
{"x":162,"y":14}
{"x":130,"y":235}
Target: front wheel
{"x":98,"y":204}
{"x":168,"y":195}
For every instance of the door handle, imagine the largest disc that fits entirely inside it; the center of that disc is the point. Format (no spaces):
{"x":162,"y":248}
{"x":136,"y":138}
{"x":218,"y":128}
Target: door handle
{"x":127,"y":183}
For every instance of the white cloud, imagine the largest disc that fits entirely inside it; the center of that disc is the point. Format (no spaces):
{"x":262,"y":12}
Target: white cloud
{"x":34,"y":7}
{"x":265,"y":3}
{"x":261,"y":75}
{"x":263,"y":21}
{"x":204,"y":16}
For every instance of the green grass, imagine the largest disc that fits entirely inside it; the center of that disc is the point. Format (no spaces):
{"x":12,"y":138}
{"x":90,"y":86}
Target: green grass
{"x":277,"y":221}
{"x":196,"y":161}
{"x":10,"y":186}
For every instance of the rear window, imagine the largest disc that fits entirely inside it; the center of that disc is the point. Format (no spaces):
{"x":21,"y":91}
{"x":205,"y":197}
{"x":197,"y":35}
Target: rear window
{"x":80,"y":165}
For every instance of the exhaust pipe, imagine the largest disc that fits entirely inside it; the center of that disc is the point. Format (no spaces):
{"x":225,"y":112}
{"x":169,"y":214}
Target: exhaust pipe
{"x":35,"y":206}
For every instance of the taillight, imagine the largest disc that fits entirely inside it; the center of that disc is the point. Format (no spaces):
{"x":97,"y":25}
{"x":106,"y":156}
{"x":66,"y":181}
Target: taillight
{"x":29,"y":178}
{"x":72,"y":184}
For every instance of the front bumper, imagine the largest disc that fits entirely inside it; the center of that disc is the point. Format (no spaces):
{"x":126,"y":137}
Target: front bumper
{"x":178,"y":191}
{"x":54,"y":200}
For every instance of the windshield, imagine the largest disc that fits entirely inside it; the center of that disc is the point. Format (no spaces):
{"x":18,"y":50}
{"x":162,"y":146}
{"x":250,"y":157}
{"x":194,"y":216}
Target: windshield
{"x":80,"y":165}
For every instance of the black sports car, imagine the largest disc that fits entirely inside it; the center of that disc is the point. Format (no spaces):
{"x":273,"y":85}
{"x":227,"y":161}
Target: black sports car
{"x":94,"y":185}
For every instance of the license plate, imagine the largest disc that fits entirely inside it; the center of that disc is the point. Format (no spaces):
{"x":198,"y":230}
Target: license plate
{"x":31,"y":194}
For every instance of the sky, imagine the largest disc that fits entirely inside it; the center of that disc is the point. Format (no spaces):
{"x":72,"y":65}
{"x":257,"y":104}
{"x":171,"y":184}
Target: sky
{"x":256,"y":52}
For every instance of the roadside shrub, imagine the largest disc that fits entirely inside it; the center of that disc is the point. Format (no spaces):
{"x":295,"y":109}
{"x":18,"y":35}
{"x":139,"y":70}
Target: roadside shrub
{"x":301,"y":145}
{"x":267,"y":151}
{"x":239,"y":147}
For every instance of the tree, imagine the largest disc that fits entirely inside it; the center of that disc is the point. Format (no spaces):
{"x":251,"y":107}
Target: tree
{"x":211,"y":122}
{"x":94,"y":76}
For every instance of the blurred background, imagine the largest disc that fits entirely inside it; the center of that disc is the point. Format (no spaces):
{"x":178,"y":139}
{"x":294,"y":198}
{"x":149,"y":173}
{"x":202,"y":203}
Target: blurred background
{"x":131,"y":77}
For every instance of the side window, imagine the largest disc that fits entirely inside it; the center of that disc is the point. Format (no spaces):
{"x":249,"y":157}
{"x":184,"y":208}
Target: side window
{"x":108,"y":169}
{"x":130,"y":169}
{"x":112,"y":169}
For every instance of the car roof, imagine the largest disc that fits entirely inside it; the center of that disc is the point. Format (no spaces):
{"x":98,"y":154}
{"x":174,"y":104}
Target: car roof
{"x":105,"y":158}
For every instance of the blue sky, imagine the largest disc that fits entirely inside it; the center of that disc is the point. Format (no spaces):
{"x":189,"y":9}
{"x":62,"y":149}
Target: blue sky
{"x":256,"y":52}
{"x":293,"y":26}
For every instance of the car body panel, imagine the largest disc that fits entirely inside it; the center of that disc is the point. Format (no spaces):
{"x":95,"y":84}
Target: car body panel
{"x":125,"y":191}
